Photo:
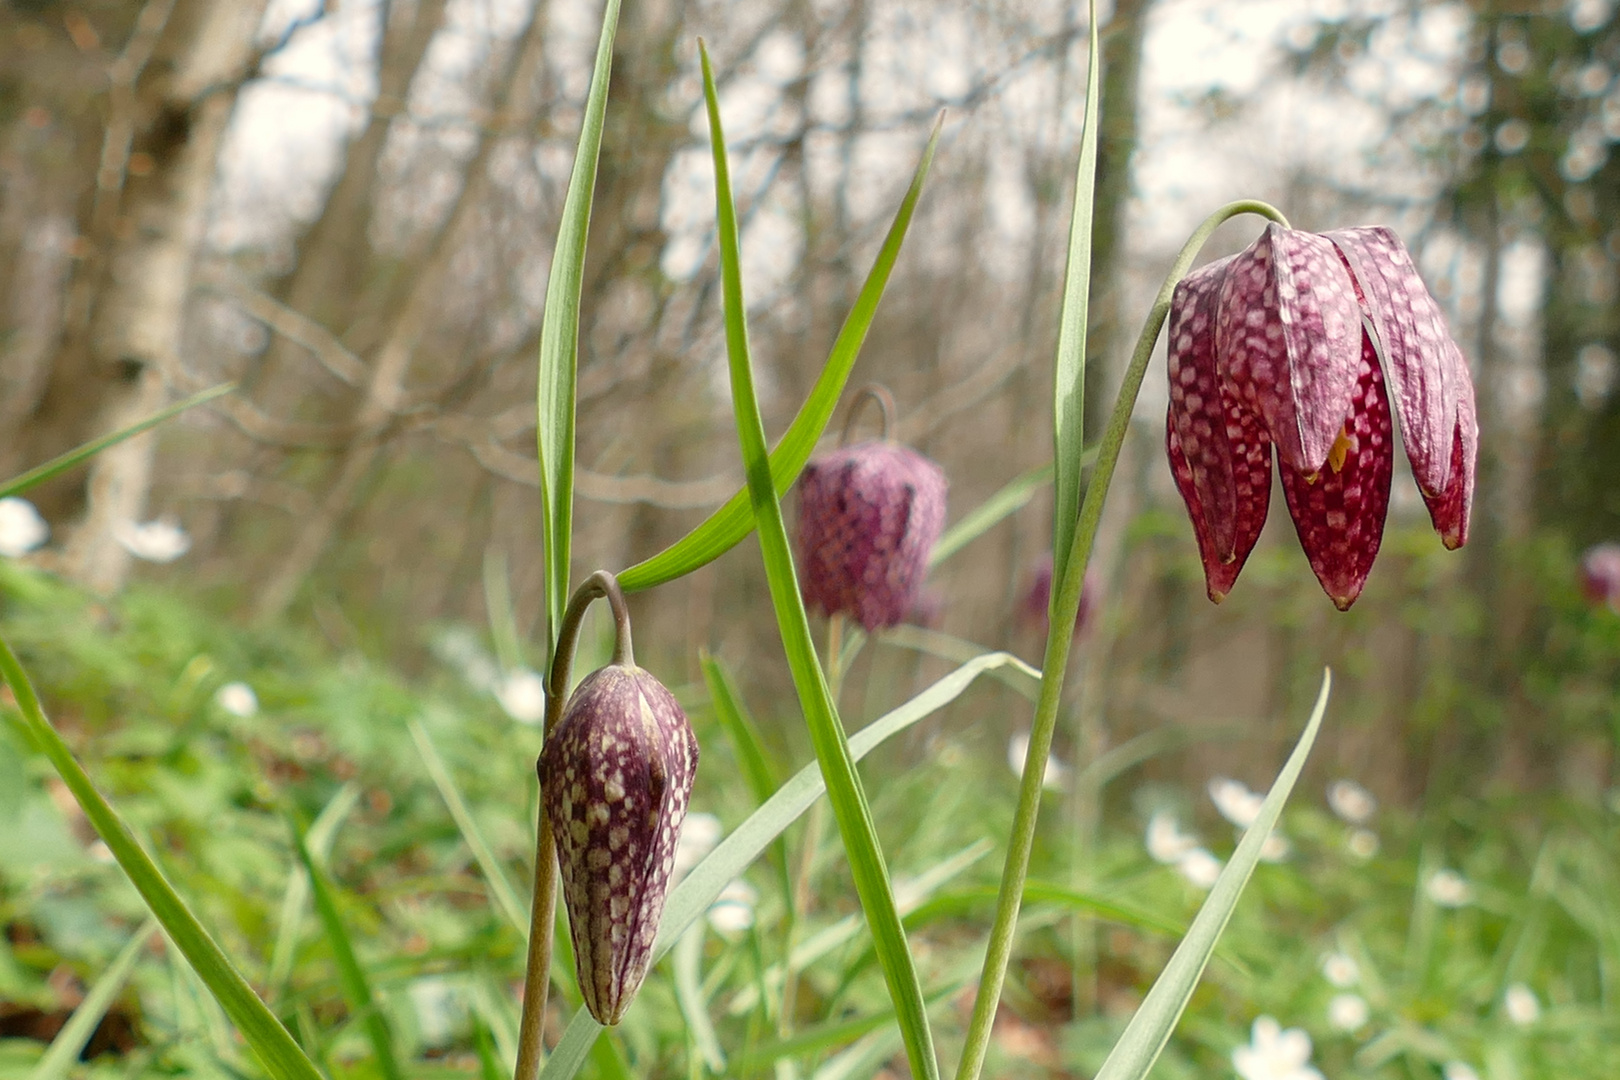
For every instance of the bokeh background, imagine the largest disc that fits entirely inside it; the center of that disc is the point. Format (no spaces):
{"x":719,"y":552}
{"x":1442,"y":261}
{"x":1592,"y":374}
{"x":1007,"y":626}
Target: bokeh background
{"x":348,"y":208}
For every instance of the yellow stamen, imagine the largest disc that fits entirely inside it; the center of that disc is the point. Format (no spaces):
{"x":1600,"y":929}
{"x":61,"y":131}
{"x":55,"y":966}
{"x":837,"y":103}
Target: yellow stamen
{"x":1343,"y":445}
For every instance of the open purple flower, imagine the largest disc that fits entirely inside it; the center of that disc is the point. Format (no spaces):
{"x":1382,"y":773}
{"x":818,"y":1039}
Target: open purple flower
{"x":1280,"y":345}
{"x":616,"y":776}
{"x":869,"y":514}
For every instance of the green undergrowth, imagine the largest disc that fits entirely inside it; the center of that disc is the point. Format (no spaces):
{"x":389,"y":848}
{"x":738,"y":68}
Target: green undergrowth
{"x":133,"y":684}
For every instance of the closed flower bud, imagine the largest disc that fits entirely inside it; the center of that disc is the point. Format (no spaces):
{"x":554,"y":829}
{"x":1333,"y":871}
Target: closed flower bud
{"x":869,"y":514}
{"x":615,"y":777}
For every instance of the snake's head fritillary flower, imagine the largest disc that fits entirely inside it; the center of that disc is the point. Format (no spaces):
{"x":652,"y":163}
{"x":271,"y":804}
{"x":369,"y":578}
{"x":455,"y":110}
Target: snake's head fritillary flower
{"x":1280,"y":346}
{"x":869,"y":514}
{"x":616,"y":776}
{"x":1600,"y":575}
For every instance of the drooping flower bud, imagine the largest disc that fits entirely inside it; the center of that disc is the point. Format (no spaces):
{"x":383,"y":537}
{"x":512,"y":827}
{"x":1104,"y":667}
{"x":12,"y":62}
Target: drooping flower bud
{"x":869,"y":514}
{"x":615,"y":777}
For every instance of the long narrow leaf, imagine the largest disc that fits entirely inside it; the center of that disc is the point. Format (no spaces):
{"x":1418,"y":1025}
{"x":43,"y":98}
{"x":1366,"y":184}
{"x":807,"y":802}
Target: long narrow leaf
{"x":845,"y":791}
{"x":1144,"y":1037}
{"x":356,"y":986}
{"x":270,"y":1041}
{"x":691,"y":898}
{"x":740,"y":729}
{"x":1069,"y":399}
{"x":727,"y":526}
{"x":991,"y":512}
{"x":500,"y":887}
{"x":80,"y":454}
{"x":559,"y":336}
{"x":321,"y":835}
{"x":689,"y":995}
{"x":70,"y":1041}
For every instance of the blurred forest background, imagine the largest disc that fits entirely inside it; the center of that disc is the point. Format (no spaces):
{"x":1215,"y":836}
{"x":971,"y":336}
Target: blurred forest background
{"x":349,"y":207}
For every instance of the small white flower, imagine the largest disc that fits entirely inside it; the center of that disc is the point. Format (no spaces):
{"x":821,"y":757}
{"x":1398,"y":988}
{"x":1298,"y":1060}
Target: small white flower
{"x":1056,"y":777}
{"x":1352,"y":802}
{"x":1520,"y":1004}
{"x":1340,"y":970}
{"x":1363,"y":843}
{"x":238,"y":699}
{"x":1275,"y":1054}
{"x":1235,"y":801}
{"x":699,"y":835}
{"x":1166,"y":843}
{"x":1200,"y":867}
{"x":522,"y":693}
{"x":1276,"y":848}
{"x":733,"y":910}
{"x":1348,"y":1012}
{"x":21,"y":528}
{"x":160,"y":541}
{"x":1458,"y":1070}
{"x":438,"y":1007}
{"x":1447,"y":888}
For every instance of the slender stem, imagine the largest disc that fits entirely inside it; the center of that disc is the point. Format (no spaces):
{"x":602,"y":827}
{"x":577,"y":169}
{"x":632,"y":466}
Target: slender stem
{"x":1058,"y":638}
{"x":543,"y":906}
{"x":874,"y":392}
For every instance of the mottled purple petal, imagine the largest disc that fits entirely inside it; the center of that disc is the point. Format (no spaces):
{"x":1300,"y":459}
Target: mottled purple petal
{"x":616,"y":776}
{"x":1451,"y":507}
{"x":1340,"y":514}
{"x":1426,"y":370}
{"x":1254,"y":498}
{"x":1196,"y":410}
{"x":1288,"y":336}
{"x":869,"y":514}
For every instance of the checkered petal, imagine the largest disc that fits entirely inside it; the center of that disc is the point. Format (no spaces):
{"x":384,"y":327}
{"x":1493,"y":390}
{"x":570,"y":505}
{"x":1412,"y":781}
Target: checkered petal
{"x":869,"y":514}
{"x":616,"y":776}
{"x":1288,"y":336}
{"x":1339,"y":513}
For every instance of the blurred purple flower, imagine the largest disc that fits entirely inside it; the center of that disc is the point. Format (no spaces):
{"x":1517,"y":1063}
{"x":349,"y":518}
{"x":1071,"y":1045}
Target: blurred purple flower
{"x":1037,"y":604}
{"x":1281,"y":345}
{"x":1600,"y":575}
{"x":616,"y":776}
{"x":869,"y":514}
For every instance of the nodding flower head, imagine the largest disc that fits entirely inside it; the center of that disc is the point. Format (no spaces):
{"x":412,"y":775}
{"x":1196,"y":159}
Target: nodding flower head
{"x":869,"y":514}
{"x":616,"y":776}
{"x":1280,"y":345}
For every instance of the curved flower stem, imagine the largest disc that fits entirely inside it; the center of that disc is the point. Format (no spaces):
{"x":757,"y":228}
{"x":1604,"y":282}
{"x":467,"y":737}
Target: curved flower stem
{"x":1066,"y":606}
{"x":878,"y":394}
{"x":543,"y":906}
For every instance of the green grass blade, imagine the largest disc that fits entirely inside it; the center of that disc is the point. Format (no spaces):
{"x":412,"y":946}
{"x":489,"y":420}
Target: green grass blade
{"x":498,"y":608}
{"x":321,"y":836}
{"x":500,"y":887}
{"x":828,"y":1036}
{"x":1144,"y":1038}
{"x":1069,"y":399}
{"x":991,"y":512}
{"x":688,"y":964}
{"x":559,"y":336}
{"x":757,"y":766}
{"x":276,"y":1049}
{"x":356,"y":987}
{"x":80,"y":454}
{"x":845,"y":792}
{"x":69,"y":1043}
{"x":727,"y":526}
{"x":691,"y":898}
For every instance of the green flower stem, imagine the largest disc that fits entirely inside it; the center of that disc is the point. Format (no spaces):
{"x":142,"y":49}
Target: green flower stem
{"x":543,"y":905}
{"x":1066,"y":607}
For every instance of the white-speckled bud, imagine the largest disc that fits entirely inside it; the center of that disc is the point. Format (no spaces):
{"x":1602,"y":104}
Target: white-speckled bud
{"x":616,"y":776}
